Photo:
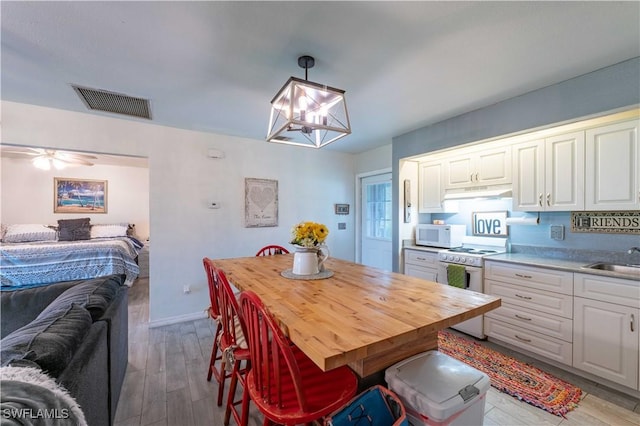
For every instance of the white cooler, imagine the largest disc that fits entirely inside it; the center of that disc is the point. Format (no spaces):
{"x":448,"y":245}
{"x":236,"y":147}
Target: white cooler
{"x":439,"y":390}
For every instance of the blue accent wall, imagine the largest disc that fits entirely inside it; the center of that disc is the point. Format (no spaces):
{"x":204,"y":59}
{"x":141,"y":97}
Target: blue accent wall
{"x":606,"y":89}
{"x":536,"y":235}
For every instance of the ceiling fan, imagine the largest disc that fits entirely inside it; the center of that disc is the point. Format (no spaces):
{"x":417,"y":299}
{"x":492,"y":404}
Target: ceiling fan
{"x":45,"y":158}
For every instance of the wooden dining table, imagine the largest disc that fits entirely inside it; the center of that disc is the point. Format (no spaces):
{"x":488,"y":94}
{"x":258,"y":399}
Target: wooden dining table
{"x":364,"y":317}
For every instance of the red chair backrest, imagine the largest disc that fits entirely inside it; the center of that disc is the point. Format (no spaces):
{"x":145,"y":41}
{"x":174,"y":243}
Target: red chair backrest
{"x":230,"y":313}
{"x":214,"y":297}
{"x":273,"y":362}
{"x":272,"y":249}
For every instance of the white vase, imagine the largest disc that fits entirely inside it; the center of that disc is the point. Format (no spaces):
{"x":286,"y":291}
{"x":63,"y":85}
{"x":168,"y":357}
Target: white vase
{"x":309,"y":260}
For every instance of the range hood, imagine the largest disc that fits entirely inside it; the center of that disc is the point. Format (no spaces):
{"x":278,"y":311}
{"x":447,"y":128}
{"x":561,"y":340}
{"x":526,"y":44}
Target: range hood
{"x":478,"y":192}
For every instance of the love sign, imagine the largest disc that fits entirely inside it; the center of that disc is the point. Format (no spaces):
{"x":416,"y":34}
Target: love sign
{"x":490,"y":224}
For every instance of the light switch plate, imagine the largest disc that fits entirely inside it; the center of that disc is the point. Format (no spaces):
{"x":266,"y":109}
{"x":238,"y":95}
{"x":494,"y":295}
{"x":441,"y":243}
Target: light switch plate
{"x":557,"y":232}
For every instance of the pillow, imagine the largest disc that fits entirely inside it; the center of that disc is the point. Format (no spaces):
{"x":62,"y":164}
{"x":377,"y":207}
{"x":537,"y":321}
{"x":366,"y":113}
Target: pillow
{"x":109,"y":231}
{"x":94,"y":295}
{"x":28,"y":233}
{"x":49,"y":341}
{"x":74,"y":229}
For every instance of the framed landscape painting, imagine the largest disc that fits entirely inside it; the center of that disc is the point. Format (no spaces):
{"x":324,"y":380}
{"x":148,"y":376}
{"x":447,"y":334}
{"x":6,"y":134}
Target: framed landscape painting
{"x":79,"y":195}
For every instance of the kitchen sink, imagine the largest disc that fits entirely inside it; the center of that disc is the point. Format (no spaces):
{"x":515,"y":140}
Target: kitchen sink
{"x":627,"y":269}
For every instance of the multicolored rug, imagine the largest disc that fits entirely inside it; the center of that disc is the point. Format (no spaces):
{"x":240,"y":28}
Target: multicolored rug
{"x":523,"y":381}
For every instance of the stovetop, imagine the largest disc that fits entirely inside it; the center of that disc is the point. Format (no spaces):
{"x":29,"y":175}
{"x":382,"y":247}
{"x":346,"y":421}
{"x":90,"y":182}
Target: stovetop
{"x":472,"y":251}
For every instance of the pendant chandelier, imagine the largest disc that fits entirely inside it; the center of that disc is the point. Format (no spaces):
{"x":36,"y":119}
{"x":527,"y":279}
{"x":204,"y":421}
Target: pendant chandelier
{"x":308,"y":114}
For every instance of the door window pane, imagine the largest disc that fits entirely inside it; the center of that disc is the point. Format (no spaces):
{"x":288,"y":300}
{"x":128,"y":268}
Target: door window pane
{"x":378,"y":205}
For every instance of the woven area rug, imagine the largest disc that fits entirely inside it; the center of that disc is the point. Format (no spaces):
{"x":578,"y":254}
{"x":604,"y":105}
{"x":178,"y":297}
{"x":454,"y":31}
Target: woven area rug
{"x":523,"y":381}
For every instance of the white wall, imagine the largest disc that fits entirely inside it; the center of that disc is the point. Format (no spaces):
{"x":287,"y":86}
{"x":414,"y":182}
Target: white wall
{"x":182,"y":180}
{"x":375,"y":159}
{"x":28,"y":194}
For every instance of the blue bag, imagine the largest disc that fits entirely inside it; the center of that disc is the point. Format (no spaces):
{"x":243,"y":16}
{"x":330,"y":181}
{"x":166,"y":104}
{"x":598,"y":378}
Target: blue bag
{"x":377,"y":406}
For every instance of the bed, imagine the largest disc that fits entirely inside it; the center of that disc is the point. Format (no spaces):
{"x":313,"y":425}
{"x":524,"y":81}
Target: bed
{"x":36,"y":263}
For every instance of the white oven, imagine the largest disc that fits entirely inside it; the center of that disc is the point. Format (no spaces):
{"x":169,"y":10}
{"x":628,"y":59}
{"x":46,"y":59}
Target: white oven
{"x":474,"y":278}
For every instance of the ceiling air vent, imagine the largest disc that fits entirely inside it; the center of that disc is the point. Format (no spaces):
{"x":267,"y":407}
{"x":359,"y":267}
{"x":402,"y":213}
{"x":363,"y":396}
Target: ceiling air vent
{"x":103,"y":100}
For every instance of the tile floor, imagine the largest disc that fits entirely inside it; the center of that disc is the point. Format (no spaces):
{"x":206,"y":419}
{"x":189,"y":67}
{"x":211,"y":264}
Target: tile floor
{"x":166,"y":382}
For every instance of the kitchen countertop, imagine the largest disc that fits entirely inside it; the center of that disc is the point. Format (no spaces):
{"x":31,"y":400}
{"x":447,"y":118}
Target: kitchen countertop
{"x":423,"y":248}
{"x":570,"y":265}
{"x":556,"y":258}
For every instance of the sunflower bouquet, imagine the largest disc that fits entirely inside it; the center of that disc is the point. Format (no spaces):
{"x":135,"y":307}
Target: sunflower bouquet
{"x":308,"y":234}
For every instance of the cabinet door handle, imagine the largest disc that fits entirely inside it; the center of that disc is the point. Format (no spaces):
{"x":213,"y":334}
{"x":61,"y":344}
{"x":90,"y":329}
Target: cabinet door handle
{"x":540,"y":199}
{"x":421,"y":258}
{"x":523,"y":318}
{"x":523,"y":339}
{"x":523,"y":297}
{"x":549,"y":199}
{"x":477,"y":178}
{"x":633,"y":320}
{"x":524,"y":276}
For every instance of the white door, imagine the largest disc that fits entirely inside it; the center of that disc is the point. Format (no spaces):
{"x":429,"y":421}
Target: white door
{"x":376,"y":221}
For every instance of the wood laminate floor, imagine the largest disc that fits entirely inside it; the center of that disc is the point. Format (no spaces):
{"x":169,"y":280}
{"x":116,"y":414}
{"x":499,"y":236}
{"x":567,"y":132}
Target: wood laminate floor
{"x":166,"y":384}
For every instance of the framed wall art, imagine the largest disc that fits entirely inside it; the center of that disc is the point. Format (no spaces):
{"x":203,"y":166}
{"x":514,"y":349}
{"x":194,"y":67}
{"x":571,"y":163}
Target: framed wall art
{"x":79,"y":195}
{"x":341,"y":208}
{"x":260,"y":202}
{"x":490,"y":224}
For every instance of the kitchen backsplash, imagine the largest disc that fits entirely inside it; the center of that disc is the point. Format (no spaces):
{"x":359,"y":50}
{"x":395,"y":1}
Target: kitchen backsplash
{"x":537,"y":235}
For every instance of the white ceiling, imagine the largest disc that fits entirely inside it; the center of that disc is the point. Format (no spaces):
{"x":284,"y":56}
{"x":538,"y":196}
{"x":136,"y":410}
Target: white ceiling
{"x":214,"y":66}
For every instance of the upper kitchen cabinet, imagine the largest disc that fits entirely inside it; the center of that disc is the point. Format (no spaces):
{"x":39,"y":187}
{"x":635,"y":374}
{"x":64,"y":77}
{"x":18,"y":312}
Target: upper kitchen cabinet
{"x":549,"y":173}
{"x":612,"y":162}
{"x":431,"y":188}
{"x":489,"y":166}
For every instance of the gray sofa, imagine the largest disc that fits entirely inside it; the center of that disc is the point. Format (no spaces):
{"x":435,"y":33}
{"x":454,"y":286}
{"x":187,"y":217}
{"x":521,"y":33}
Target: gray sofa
{"x":77,"y":333}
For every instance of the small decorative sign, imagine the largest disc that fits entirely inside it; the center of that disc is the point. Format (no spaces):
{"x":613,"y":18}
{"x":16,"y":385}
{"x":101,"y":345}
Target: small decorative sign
{"x":342,"y":208}
{"x":618,"y":222}
{"x":490,"y":224}
{"x":260,"y":202}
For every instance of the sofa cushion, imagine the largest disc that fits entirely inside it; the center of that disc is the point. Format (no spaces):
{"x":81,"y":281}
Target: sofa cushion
{"x":49,"y":341}
{"x":74,"y":229}
{"x":94,"y":295}
{"x":20,"y":307}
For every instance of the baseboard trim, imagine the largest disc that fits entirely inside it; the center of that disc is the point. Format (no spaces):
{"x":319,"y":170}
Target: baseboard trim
{"x":177,"y":319}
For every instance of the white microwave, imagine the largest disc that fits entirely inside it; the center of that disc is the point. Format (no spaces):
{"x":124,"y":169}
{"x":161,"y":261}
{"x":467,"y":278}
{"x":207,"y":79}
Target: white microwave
{"x":446,"y":236}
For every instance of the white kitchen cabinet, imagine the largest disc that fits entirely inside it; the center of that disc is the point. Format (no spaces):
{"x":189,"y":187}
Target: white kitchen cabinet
{"x":605,"y":331}
{"x":612,"y":176}
{"x":421,"y":264}
{"x":549,"y":173}
{"x":537,"y":308}
{"x":431,"y":187}
{"x":490,"y":166}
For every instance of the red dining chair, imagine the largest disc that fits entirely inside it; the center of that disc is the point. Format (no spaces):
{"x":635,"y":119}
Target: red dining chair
{"x":234,"y":351}
{"x":285,"y":384}
{"x":213,"y":312}
{"x":272,"y":249}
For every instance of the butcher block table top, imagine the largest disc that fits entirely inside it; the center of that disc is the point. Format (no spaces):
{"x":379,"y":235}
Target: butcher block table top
{"x":363,"y":317}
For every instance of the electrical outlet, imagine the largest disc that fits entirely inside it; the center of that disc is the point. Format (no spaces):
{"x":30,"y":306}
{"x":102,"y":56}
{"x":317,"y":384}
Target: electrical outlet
{"x":186,"y":289}
{"x":342,"y":225}
{"x":556,"y":232}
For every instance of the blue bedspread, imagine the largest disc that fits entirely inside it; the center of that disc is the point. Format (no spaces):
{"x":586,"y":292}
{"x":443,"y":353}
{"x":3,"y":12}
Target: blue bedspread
{"x":25,"y":265}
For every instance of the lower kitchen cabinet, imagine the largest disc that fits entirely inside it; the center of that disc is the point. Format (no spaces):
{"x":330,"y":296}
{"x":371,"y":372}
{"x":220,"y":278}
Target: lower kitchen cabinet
{"x":605,"y":330}
{"x":531,"y":341}
{"x":537,"y":309}
{"x":421,"y":264}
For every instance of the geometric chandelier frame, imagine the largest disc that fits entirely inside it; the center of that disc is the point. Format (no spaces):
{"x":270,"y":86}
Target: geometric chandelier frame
{"x":304,"y":113}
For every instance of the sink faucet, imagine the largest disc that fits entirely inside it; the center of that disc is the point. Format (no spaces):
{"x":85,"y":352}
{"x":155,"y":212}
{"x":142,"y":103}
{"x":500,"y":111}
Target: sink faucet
{"x":632,"y":249}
